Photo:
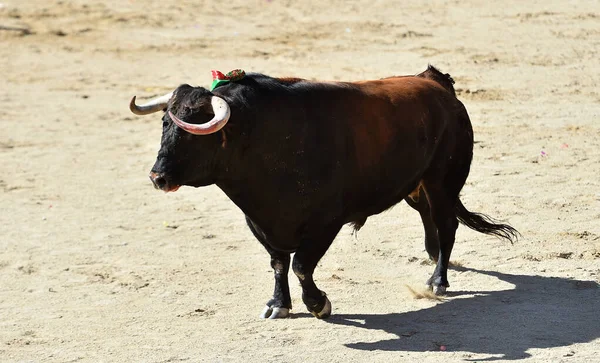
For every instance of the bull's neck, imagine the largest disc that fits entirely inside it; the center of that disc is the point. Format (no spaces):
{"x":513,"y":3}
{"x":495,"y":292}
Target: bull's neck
{"x":245,"y":182}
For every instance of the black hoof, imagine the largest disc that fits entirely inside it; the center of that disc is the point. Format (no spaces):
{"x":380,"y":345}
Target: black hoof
{"x":325,"y":312}
{"x":320,"y":309}
{"x":437,"y":286}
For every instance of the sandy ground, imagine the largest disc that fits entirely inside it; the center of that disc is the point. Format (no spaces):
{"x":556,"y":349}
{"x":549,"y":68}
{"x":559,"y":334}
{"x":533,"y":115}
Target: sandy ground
{"x":97,"y":266}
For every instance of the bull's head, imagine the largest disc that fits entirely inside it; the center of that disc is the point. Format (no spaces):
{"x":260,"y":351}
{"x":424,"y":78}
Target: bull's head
{"x":184,"y":158}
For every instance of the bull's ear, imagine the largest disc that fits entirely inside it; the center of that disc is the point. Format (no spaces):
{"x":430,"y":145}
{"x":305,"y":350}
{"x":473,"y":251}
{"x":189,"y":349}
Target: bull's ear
{"x":178,"y":92}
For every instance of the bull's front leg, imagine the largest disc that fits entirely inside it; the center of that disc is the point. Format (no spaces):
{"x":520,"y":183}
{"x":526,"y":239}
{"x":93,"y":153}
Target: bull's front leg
{"x":305,"y":260}
{"x":316,"y":301}
{"x":281,"y":303}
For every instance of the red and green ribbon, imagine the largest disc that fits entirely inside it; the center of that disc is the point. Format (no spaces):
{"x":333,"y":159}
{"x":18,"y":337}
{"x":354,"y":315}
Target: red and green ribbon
{"x":220,"y":79}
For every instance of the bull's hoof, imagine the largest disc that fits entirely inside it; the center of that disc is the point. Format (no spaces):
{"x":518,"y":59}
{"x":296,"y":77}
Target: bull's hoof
{"x":323,"y":313}
{"x":438,"y":290}
{"x":274,"y":313}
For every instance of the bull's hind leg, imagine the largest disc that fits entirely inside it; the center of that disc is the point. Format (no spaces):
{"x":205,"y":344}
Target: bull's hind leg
{"x":444,"y":218}
{"x":418,"y":201}
{"x":305,"y":260}
{"x":281,"y":303}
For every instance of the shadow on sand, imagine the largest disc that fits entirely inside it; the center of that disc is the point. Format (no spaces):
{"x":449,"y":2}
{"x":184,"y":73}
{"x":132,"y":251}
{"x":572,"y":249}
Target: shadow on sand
{"x":540,"y":312}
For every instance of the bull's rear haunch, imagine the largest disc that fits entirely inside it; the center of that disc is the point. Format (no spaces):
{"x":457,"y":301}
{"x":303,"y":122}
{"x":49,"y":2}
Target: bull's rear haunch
{"x":302,"y":158}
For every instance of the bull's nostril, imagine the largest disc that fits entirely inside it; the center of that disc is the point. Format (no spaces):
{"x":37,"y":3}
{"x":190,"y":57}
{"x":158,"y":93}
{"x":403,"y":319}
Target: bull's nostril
{"x":158,"y":181}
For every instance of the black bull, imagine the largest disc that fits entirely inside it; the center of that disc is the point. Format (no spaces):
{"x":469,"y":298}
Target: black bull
{"x":303,"y":158}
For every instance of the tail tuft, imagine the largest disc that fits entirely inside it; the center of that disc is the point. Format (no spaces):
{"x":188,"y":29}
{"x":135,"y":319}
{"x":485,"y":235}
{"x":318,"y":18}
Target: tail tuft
{"x":485,"y":224}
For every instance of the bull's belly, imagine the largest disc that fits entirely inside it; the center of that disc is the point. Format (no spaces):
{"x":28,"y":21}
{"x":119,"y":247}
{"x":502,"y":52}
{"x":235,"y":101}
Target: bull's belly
{"x":296,"y":217}
{"x":376,"y":199}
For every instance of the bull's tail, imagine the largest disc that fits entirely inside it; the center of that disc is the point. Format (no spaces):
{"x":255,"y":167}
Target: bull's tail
{"x":444,"y":79}
{"x":485,"y":224}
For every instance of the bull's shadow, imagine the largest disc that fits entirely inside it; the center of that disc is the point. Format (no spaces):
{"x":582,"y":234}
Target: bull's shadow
{"x":540,"y":312}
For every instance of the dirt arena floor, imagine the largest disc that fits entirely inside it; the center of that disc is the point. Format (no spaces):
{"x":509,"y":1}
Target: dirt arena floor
{"x":97,"y":266}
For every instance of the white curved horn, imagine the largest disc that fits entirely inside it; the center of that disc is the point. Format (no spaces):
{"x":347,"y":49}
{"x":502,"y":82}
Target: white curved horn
{"x":155,"y":105}
{"x":222,"y":114}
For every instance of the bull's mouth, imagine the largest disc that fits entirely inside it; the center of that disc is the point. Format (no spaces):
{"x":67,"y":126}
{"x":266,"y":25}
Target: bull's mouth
{"x":160,"y":182}
{"x":172,"y":188}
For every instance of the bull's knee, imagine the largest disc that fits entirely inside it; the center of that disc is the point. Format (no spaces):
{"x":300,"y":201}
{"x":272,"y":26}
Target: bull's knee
{"x":279,"y":267}
{"x":299,"y":270}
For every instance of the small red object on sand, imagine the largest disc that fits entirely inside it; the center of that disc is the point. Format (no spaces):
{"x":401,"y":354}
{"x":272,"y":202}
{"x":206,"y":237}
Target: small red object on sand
{"x":443,"y":348}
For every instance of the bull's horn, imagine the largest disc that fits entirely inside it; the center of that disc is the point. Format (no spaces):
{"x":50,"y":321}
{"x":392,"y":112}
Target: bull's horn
{"x":157,"y":104}
{"x":222,"y":112}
